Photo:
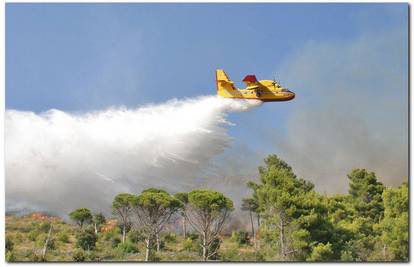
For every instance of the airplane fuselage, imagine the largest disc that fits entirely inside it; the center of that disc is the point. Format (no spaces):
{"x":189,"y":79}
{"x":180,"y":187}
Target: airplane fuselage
{"x":264,"y":90}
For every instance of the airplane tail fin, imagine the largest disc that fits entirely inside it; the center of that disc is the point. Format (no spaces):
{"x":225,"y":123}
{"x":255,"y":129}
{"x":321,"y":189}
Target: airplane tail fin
{"x":223,"y":81}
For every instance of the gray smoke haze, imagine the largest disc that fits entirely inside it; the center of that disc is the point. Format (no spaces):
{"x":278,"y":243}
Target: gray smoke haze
{"x":351,"y":109}
{"x":58,"y":161}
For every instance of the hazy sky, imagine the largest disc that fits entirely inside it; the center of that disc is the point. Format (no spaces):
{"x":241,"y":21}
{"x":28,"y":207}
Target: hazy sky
{"x":348,"y":64}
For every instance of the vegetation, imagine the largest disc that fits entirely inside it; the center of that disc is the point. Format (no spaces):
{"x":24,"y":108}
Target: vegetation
{"x":154,"y":208}
{"x":122,"y":208}
{"x":81,"y":216}
{"x":286,"y":220}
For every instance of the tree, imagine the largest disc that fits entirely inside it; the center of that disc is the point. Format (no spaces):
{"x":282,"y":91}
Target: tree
{"x":183,"y":197}
{"x":154,"y":208}
{"x":393,"y":227}
{"x":98,"y":221}
{"x":250,"y":205}
{"x":81,"y":216}
{"x":207,"y":211}
{"x":122,"y":208}
{"x":294,"y":216}
{"x":367,"y":194}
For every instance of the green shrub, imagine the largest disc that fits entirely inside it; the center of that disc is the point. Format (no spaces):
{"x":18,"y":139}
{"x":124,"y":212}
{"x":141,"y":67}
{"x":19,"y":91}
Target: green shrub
{"x":127,"y":247}
{"x":10,"y":256}
{"x":193,"y":236}
{"x":110,"y":234}
{"x":240,"y":237}
{"x":190,"y":245}
{"x":231,"y":254}
{"x":18,"y":238}
{"x":115,"y":242}
{"x":44,"y":227}
{"x":33,"y":235}
{"x":9,"y":244}
{"x":92,"y":256}
{"x":41,"y":239}
{"x":86,"y":239}
{"x":321,"y":252}
{"x":63,"y":237}
{"x":170,"y":237}
{"x":78,"y":255}
{"x":136,"y":236}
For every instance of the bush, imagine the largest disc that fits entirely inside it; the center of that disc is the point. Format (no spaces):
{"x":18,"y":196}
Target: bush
{"x":92,"y":256}
{"x":115,"y":242}
{"x":136,"y":236}
{"x":86,"y":239}
{"x":41,"y":239}
{"x":44,"y":227}
{"x":10,"y":256}
{"x":78,"y":255}
{"x":193,"y":236}
{"x":110,"y":234}
{"x":63,"y":237}
{"x":33,"y":235}
{"x":240,"y":237}
{"x":9,"y":244}
{"x":321,"y":252}
{"x":170,"y":237}
{"x":231,"y":254}
{"x":18,"y":238}
{"x":127,"y":247}
{"x":188,"y":244}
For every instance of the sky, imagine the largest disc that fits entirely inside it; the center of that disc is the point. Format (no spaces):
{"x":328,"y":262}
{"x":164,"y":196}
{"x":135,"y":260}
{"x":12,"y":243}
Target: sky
{"x":347,"y":63}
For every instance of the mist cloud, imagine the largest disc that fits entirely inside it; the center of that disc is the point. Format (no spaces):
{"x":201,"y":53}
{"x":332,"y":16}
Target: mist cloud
{"x":58,"y":161}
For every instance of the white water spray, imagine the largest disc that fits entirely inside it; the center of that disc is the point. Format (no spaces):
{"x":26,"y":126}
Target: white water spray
{"x":58,"y":161}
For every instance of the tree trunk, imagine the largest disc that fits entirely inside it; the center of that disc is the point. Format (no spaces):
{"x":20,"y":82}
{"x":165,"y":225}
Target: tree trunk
{"x":185,"y":227}
{"x":148,"y":249}
{"x":205,"y":246}
{"x":123,"y":233}
{"x":158,"y":242}
{"x":46,"y":243}
{"x":96,"y":229}
{"x":253,"y":234}
{"x":282,"y":240}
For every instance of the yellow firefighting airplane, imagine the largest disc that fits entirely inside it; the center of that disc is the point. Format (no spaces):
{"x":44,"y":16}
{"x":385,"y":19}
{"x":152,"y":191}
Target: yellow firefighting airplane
{"x":264,"y":90}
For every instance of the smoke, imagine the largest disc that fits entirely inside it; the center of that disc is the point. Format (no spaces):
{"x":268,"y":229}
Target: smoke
{"x":57,"y":161}
{"x":350,"y":110}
